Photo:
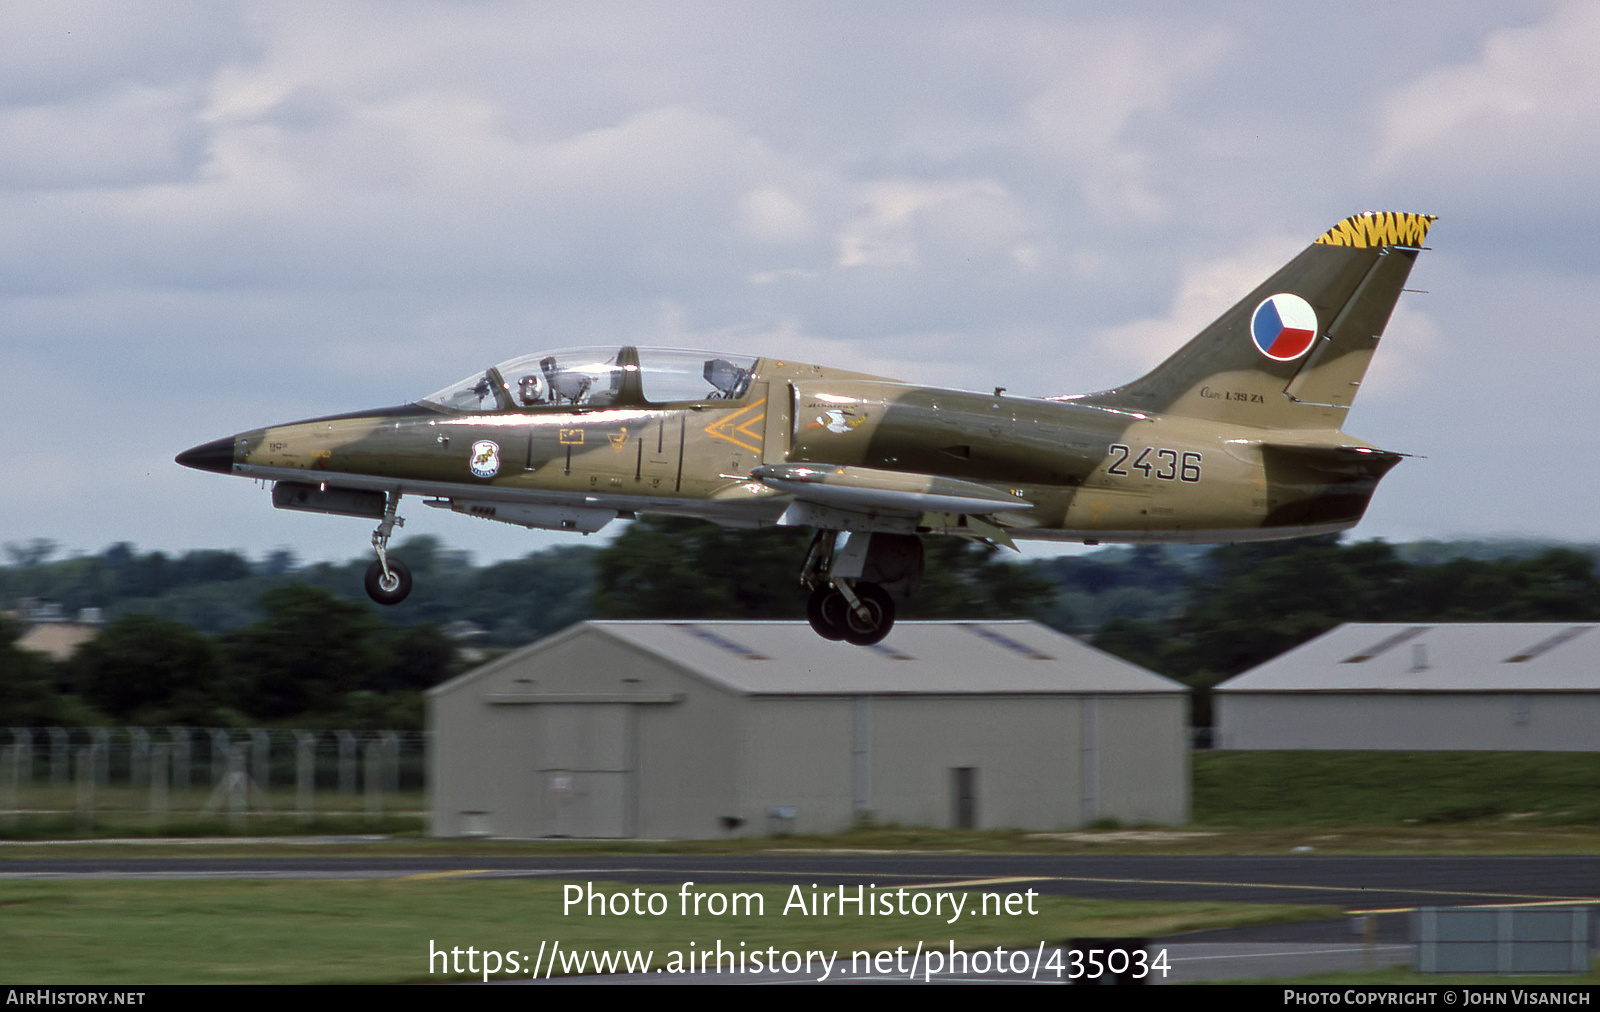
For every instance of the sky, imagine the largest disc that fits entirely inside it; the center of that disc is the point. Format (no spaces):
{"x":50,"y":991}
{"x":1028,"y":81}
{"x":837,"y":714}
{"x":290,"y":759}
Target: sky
{"x":221,"y":215}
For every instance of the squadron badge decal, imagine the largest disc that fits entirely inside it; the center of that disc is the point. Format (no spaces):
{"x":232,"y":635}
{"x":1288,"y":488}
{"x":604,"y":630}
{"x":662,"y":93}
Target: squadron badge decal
{"x":485,"y":460}
{"x":838,"y":422}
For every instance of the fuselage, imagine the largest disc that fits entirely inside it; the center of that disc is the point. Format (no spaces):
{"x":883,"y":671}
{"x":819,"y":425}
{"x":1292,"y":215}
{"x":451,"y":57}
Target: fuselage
{"x":1082,"y":471}
{"x":1236,"y":436}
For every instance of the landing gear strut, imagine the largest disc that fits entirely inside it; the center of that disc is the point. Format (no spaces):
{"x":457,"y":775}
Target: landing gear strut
{"x":388,"y":580}
{"x":843,"y":606}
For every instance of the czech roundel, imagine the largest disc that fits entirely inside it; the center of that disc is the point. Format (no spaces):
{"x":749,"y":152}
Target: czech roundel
{"x":1284,"y":327}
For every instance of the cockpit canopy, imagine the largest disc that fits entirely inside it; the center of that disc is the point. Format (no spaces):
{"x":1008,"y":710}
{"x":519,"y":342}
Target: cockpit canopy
{"x":599,"y":378}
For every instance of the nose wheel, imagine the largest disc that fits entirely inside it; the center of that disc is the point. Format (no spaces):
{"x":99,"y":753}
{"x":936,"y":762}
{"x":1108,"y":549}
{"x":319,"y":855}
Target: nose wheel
{"x":388,"y":580}
{"x":389,"y":587}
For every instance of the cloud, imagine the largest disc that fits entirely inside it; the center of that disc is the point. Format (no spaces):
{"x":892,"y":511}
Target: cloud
{"x":897,"y":221}
{"x":1099,"y":82}
{"x":770,"y":214}
{"x":67,"y":51}
{"x":246,"y":211}
{"x":128,"y":136}
{"x":1519,"y":124}
{"x":1206,"y":289}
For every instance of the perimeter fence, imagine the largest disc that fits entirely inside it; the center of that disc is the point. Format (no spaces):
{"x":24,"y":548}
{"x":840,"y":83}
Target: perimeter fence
{"x":178,"y":780}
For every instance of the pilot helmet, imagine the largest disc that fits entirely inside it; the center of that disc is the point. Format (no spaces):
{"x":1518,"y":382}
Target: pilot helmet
{"x":530,"y":389}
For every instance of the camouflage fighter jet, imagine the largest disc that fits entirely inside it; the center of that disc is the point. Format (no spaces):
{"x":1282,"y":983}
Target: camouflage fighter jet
{"x":1235,"y":437}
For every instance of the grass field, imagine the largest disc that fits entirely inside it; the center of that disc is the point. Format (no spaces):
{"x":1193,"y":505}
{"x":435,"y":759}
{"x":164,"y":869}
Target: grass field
{"x":1243,"y":802}
{"x":227,"y":931}
{"x":1396,"y":788}
{"x":197,"y":931}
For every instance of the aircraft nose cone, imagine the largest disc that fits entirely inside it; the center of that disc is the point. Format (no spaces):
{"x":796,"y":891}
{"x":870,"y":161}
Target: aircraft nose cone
{"x":216,"y":455}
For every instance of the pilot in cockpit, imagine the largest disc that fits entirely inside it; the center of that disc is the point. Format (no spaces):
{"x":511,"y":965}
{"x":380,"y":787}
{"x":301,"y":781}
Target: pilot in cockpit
{"x":565,"y":384}
{"x":530,"y":390}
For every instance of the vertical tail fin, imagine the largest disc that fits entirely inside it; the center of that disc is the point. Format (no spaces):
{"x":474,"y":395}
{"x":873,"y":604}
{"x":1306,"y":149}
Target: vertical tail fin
{"x":1292,"y":353}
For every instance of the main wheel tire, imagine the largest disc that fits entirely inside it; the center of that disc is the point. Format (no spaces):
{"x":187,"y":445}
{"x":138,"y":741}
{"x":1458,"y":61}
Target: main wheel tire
{"x":866,"y":630}
{"x":825,"y":609}
{"x":392,"y":590}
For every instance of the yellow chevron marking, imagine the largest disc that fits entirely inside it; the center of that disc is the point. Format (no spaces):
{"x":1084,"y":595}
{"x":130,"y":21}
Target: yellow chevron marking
{"x":739,"y":430}
{"x":1379,"y":228}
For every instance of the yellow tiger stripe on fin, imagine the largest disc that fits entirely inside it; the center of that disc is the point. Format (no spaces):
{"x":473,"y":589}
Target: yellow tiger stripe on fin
{"x":1379,"y":228}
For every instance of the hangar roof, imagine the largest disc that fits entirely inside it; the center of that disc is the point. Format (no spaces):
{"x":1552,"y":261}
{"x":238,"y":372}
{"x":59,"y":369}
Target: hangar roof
{"x":1443,"y":657}
{"x":788,"y":658}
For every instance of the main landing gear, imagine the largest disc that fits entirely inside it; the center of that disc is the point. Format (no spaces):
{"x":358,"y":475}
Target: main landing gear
{"x":862,"y":614}
{"x":853,"y":589}
{"x":388,"y":580}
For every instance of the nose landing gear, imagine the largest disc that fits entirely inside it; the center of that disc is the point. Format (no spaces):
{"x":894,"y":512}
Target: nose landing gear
{"x":388,"y":580}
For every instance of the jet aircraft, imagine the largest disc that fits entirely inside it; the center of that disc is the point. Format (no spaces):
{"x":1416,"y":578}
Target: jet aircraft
{"x":1236,"y":437}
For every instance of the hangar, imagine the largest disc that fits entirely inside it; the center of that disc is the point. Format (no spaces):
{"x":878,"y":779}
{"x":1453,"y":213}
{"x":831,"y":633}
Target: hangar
{"x":1453,"y":686}
{"x":696,"y":730}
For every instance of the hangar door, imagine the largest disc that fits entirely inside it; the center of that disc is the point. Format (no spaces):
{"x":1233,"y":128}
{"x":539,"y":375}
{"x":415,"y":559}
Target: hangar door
{"x":583,"y":759}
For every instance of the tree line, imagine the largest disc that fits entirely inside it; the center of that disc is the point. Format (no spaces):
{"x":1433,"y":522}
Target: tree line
{"x":313,"y":660}
{"x":1248,"y":603}
{"x":212,"y":638}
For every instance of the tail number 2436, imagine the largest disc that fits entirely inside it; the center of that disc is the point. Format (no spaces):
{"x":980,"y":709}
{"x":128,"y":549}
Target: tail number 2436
{"x":1155,"y":462}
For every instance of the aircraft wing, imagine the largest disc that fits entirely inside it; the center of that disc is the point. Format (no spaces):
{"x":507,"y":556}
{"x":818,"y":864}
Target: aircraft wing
{"x":865,"y":488}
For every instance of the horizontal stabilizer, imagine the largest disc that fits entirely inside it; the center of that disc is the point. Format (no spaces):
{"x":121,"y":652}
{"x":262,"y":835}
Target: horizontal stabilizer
{"x":1347,"y":459}
{"x":1312,"y":485}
